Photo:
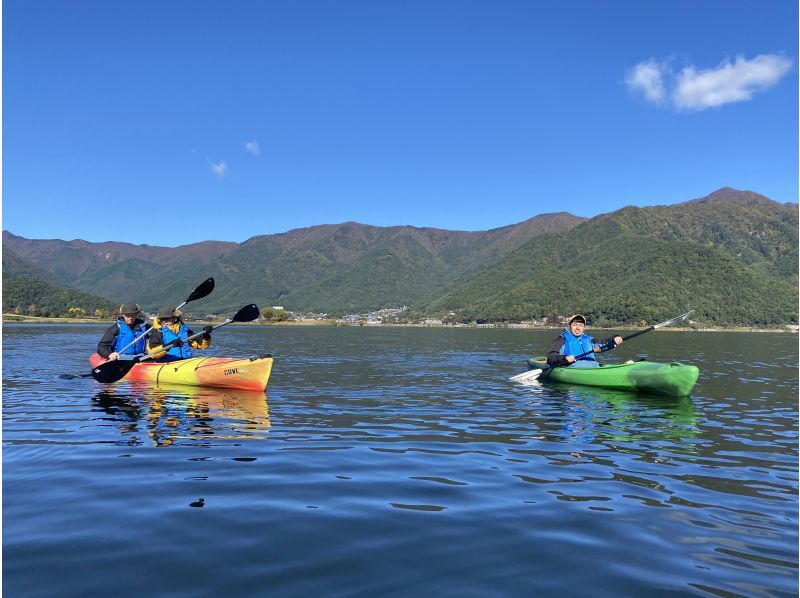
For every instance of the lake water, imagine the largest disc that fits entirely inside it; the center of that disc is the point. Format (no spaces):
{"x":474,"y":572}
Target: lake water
{"x":401,"y":462}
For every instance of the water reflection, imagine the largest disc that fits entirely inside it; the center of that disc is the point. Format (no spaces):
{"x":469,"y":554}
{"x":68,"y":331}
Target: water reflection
{"x":166,"y":415}
{"x":595,"y":414}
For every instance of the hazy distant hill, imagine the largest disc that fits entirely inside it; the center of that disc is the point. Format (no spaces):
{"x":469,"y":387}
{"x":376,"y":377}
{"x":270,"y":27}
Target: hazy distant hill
{"x":732,"y":256}
{"x":72,"y":260}
{"x":332,"y":268}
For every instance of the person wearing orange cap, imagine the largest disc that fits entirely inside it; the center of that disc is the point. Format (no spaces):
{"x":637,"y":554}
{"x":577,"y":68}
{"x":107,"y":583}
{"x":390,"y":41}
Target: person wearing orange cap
{"x":126,"y":337}
{"x":573,"y":342}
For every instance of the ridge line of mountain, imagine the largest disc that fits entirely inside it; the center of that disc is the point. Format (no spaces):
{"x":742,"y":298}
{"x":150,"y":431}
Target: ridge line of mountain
{"x":722,"y":195}
{"x":316,"y":227}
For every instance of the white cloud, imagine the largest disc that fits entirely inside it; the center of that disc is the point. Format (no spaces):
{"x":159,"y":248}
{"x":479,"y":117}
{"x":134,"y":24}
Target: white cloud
{"x":729,"y":82}
{"x":220,"y":169}
{"x":648,"y":77}
{"x":693,"y":89}
{"x":253,"y":147}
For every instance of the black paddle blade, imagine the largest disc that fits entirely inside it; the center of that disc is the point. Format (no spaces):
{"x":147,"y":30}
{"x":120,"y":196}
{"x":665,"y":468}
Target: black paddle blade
{"x":247,"y":314}
{"x":201,"y":291}
{"x":112,"y":371}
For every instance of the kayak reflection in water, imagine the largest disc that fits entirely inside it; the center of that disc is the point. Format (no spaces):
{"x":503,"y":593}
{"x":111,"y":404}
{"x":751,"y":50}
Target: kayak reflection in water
{"x":612,"y":416}
{"x":574,"y":342}
{"x":169,"y":416}
{"x":179,"y":417}
{"x":125,"y":412}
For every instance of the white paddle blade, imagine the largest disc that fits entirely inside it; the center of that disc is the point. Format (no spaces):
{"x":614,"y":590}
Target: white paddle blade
{"x":526,"y":376}
{"x":674,"y":320}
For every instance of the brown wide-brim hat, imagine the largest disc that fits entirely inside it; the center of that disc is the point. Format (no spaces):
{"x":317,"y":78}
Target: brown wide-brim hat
{"x":168,"y":312}
{"x":578,"y":317}
{"x":130,"y":309}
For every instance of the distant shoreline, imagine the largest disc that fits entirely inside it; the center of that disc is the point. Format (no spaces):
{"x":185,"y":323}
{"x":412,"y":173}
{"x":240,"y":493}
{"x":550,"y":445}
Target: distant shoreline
{"x":18,"y":319}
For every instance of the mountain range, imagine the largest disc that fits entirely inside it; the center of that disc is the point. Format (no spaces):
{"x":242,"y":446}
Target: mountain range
{"x":731,"y":256}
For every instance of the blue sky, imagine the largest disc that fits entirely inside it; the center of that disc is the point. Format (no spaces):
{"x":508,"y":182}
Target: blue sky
{"x":169,"y":123}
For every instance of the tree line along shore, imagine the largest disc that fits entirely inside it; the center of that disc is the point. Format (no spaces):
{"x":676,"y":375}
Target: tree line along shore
{"x":17,"y":318}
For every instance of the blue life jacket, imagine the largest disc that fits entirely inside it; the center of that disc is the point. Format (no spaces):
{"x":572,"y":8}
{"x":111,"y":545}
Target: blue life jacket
{"x":574,"y":345}
{"x":125,"y":336}
{"x":167,"y":336}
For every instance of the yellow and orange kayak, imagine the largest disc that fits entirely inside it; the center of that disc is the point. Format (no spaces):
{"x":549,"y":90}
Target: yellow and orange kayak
{"x":249,"y":373}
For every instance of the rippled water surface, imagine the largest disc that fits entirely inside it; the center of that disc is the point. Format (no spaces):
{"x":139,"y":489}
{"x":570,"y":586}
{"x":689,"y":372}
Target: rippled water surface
{"x":400,"y":462}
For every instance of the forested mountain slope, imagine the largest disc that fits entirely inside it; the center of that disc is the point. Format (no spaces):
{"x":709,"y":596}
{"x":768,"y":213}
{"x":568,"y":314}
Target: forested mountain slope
{"x":732,"y":256}
{"x":333,"y":268}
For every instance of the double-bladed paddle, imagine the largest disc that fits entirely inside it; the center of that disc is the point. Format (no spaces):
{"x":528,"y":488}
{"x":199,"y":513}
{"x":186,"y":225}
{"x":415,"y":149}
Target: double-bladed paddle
{"x":112,"y":371}
{"x":203,"y":290}
{"x":534,"y":374}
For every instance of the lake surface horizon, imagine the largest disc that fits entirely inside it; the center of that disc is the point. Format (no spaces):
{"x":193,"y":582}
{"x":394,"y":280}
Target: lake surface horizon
{"x":397,"y":461}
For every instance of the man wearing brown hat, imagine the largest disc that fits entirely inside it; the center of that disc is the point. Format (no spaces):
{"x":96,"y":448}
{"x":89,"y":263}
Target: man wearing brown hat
{"x":574,"y":342}
{"x":126,"y":337}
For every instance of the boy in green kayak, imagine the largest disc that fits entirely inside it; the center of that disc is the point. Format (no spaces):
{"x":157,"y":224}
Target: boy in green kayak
{"x":573,"y":342}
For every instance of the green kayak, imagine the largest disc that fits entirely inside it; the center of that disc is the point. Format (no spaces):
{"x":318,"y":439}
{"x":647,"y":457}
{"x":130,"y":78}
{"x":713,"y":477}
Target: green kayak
{"x":675,"y":379}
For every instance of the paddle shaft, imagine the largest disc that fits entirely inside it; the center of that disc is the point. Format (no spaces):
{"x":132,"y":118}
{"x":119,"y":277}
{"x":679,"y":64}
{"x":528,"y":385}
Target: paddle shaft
{"x":213,"y":328}
{"x":135,"y":340}
{"x":624,"y":338}
{"x":536,"y":373}
{"x":247,"y":314}
{"x":203,"y":290}
{"x":187,"y":339}
{"x":641,"y":332}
